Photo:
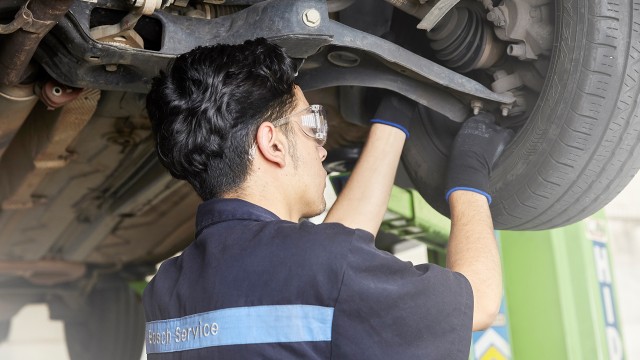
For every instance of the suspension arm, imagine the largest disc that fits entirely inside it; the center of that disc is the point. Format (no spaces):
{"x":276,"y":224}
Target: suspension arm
{"x":83,"y":62}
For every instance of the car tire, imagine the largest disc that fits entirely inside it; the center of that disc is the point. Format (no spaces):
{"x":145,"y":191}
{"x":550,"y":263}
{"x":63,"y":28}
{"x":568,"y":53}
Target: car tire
{"x":579,"y":147}
{"x":110,"y":324}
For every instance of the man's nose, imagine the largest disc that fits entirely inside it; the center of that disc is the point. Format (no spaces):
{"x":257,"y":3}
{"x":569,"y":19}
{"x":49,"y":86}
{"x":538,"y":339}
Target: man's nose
{"x":323,"y":153}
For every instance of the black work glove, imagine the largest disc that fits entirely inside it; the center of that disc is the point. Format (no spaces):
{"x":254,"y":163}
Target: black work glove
{"x":395,"y":110}
{"x":477,"y":146}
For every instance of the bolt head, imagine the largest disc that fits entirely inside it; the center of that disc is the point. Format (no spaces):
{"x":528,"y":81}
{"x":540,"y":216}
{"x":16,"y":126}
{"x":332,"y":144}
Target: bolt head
{"x":111,"y":67}
{"x":506,"y":109}
{"x":311,"y":17}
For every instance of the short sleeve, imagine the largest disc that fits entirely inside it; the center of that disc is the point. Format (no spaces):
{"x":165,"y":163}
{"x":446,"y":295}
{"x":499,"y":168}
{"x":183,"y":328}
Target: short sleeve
{"x":390,"y":309}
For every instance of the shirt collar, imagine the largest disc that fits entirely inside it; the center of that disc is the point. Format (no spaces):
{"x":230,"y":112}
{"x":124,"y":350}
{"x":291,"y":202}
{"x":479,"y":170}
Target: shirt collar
{"x":219,"y":210}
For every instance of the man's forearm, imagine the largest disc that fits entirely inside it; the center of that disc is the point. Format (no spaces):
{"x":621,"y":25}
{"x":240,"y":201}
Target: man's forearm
{"x":365,"y":198}
{"x":473,"y":252}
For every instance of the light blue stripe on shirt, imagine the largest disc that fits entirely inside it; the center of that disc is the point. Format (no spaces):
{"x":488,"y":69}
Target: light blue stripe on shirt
{"x":242,"y":325}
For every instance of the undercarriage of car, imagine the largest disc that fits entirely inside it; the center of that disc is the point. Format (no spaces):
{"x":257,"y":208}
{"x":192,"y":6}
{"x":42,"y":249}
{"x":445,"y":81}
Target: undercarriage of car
{"x":84,"y":198}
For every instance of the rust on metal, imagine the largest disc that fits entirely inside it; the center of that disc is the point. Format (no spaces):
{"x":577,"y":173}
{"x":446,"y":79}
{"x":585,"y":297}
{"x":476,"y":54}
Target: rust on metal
{"x":16,"y":102}
{"x":18,"y":48}
{"x":47,"y":140}
{"x":55,"y":95}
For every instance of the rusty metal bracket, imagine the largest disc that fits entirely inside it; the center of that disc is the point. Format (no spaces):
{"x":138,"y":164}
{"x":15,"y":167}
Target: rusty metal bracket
{"x":122,"y":33}
{"x":24,"y":20}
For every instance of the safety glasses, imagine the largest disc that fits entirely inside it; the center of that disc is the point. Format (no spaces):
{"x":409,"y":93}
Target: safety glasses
{"x":313,"y":122}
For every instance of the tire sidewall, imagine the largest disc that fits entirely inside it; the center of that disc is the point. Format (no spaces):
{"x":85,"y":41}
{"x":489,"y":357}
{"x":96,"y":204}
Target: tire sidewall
{"x":538,"y":180}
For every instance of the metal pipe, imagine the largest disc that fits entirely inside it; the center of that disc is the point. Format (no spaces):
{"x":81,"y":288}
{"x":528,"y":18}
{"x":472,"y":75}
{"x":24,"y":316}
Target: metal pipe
{"x":19,"y":47}
{"x":42,"y":148}
{"x":16,"y":103}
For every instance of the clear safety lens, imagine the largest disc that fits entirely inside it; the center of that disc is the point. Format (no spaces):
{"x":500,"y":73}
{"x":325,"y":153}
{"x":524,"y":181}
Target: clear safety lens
{"x":314,"y":124}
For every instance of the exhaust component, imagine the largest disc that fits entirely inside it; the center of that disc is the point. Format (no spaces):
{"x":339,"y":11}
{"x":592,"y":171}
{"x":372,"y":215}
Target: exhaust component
{"x":18,"y":49}
{"x":44,"y":136}
{"x":24,"y":20}
{"x":16,"y":103}
{"x":55,"y":95}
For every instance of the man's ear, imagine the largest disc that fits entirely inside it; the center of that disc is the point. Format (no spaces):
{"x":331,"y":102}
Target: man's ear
{"x":271,"y":144}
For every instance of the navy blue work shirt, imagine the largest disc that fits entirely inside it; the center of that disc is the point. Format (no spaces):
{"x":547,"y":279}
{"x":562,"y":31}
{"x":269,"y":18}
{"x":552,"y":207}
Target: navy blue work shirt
{"x":253,"y":286}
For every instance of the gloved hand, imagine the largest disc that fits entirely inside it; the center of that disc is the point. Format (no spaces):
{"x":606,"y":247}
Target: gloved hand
{"x":477,"y":146}
{"x":395,"y":110}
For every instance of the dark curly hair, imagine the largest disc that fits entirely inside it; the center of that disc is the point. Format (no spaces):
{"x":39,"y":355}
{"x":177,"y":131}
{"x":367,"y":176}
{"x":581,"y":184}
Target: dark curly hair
{"x":206,"y":108}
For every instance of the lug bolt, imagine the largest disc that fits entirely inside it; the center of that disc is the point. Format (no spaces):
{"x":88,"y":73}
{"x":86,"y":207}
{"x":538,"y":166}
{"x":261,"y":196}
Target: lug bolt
{"x":476,"y":105}
{"x":505,"y":109}
{"x":311,"y":17}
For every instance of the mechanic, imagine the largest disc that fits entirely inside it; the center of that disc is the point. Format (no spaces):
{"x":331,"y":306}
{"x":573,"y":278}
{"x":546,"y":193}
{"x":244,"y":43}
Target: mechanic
{"x":257,"y":282}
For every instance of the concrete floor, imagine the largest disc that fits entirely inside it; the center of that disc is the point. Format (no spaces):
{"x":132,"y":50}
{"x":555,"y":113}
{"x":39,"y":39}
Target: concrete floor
{"x":30,"y":342}
{"x":34,"y":337}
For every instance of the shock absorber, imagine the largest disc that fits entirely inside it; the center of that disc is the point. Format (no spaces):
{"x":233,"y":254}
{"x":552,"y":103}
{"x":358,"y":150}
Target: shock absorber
{"x":463,"y":42}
